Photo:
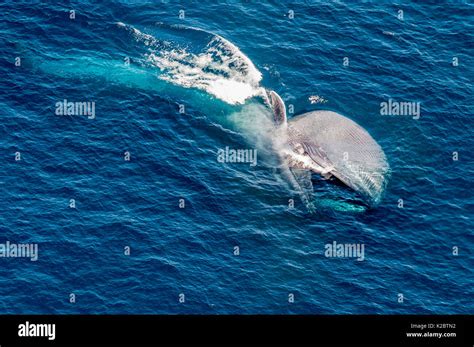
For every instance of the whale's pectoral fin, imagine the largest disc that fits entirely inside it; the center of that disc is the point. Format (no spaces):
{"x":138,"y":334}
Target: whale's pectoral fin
{"x":327,"y":172}
{"x":317,"y":154}
{"x":309,"y":147}
{"x":303,"y":184}
{"x":278,"y":107}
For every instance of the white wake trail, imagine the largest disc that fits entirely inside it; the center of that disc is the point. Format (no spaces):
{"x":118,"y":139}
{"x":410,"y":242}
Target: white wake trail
{"x":220,"y":69}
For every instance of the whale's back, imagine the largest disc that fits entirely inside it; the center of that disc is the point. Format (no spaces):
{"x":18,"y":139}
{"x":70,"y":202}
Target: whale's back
{"x":358,"y":160}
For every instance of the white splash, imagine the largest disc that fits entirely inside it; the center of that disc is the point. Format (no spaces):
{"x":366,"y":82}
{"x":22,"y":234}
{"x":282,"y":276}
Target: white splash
{"x":221,"y":70}
{"x":316,"y":99}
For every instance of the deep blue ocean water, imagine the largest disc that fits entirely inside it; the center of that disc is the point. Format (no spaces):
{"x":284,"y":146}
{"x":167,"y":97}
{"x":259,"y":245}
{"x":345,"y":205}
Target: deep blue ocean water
{"x":190,"y":250}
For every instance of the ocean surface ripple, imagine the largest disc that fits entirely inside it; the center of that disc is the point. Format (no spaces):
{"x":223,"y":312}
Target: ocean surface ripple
{"x":215,"y":62}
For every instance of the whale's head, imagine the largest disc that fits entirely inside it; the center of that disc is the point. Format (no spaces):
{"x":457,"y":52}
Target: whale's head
{"x":278,"y":108}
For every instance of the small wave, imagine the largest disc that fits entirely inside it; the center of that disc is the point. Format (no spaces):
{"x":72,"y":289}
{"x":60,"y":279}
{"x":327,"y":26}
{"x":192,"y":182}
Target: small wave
{"x":316,"y":99}
{"x":220,"y":69}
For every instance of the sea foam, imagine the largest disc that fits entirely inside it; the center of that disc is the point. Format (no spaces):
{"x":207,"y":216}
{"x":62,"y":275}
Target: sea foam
{"x":220,"y":69}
